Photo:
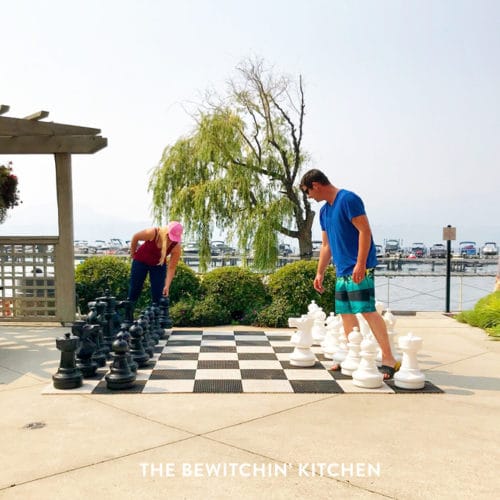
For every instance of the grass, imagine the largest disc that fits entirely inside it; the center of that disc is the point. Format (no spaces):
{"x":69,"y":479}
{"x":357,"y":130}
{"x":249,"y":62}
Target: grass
{"x":485,"y":315}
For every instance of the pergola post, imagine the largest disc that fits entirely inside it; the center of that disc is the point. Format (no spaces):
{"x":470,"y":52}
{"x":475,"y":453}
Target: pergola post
{"x":31,"y":135}
{"x":65,"y":275}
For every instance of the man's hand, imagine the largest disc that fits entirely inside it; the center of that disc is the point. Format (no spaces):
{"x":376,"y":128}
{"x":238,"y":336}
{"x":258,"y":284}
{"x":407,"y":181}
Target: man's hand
{"x":318,"y":283}
{"x":358,"y":273}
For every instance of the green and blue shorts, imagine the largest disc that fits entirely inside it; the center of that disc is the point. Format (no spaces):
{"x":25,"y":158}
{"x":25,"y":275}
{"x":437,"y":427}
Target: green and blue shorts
{"x":353,"y":298}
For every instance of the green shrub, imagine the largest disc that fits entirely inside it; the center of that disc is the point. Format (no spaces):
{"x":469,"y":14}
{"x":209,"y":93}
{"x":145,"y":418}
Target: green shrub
{"x":210,"y":312}
{"x":238,"y":290}
{"x":97,"y":274}
{"x":181,"y":312}
{"x":291,"y":289}
{"x":186,"y":283}
{"x":485,"y":315}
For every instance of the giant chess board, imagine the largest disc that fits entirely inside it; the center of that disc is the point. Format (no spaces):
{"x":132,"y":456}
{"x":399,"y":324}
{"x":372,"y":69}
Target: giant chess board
{"x":233,"y":362}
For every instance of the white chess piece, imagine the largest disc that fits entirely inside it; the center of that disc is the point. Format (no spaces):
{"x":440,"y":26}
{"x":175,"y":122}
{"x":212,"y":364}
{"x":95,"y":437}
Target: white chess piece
{"x":330,"y":343}
{"x":390,"y":322}
{"x":341,"y":351}
{"x":318,"y":330}
{"x":409,"y":376}
{"x":379,"y":306}
{"x":302,"y":354}
{"x":364,"y":327}
{"x":367,"y":375}
{"x":312,"y":307}
{"x":351,"y":361}
{"x":390,"y":319}
{"x":294,"y":323}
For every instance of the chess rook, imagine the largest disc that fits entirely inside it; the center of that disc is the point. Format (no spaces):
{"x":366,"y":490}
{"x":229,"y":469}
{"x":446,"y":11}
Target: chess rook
{"x":409,"y":376}
{"x":68,"y":376}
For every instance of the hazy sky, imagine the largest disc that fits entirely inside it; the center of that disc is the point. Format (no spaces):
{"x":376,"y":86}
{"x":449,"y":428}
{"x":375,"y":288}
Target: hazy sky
{"x":402,"y":101}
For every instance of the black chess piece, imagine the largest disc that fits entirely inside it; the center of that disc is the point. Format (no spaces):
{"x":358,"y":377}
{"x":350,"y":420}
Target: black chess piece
{"x":139,"y":355}
{"x":124,"y":334}
{"x":68,"y":376}
{"x":147,"y":342}
{"x":101,"y":353}
{"x":128,"y":311}
{"x":86,"y":348}
{"x":149,"y":314}
{"x":156,"y":318}
{"x":165,"y":320}
{"x":120,"y":376}
{"x":114,"y":319}
{"x":104,"y":320}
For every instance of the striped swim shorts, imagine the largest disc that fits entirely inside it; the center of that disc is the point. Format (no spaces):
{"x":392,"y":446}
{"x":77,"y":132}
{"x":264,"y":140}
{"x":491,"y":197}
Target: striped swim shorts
{"x":353,"y":298}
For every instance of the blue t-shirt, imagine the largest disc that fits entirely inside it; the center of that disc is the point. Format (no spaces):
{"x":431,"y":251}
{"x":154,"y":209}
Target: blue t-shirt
{"x":343,"y":237}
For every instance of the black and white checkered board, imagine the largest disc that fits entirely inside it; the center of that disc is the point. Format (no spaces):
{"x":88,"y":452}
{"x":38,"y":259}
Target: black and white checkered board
{"x":233,"y":361}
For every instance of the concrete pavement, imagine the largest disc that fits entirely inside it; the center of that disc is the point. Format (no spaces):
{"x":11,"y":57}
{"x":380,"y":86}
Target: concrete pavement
{"x":247,"y":446}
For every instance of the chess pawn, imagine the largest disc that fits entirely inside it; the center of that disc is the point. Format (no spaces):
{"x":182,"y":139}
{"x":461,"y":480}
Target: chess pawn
{"x":125,"y":335}
{"x":302,"y":354}
{"x":318,"y":330}
{"x":367,"y":375}
{"x":139,"y":355}
{"x":341,"y":352}
{"x":68,"y":376}
{"x":379,"y":306}
{"x":120,"y":376}
{"x":409,"y":376}
{"x":351,"y":362}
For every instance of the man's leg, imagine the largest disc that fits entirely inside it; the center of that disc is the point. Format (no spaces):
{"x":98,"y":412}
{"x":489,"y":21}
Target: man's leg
{"x":379,"y":329}
{"x":343,"y":307}
{"x":349,"y":321}
{"x":362,"y":298}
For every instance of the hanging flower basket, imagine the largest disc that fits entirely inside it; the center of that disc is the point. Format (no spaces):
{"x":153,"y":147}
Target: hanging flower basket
{"x":9,"y":195}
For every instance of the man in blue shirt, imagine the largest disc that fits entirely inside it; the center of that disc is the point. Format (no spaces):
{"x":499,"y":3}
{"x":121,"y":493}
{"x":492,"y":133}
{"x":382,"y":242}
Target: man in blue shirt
{"x":347,"y":242}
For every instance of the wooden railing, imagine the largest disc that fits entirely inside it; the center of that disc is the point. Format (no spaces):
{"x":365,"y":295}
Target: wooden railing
{"x":28,"y":278}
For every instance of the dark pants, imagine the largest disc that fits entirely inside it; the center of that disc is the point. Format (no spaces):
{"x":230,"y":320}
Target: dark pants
{"x":138,"y":274}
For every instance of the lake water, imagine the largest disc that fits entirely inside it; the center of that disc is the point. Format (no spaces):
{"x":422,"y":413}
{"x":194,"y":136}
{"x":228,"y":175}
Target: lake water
{"x":428,"y":293}
{"x":410,"y":292}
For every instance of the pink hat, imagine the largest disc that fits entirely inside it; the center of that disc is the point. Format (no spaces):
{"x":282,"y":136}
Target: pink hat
{"x":174,"y":230}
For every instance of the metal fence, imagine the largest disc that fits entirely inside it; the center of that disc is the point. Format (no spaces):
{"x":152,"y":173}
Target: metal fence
{"x":27,"y":278}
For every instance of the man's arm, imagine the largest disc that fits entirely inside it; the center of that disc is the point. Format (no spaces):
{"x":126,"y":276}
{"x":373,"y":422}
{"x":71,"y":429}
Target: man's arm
{"x":365,"y":237}
{"x":325,"y":256}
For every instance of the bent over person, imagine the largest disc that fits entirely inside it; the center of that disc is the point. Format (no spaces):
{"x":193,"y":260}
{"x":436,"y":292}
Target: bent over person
{"x":347,"y":242}
{"x":160,"y":244}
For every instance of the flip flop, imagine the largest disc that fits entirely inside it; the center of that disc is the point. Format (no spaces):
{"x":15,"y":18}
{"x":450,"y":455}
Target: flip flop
{"x":335,"y":367}
{"x":389,"y":370}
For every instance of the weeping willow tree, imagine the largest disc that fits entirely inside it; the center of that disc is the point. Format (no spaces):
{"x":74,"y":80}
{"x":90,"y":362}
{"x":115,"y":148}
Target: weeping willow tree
{"x":238,"y":171}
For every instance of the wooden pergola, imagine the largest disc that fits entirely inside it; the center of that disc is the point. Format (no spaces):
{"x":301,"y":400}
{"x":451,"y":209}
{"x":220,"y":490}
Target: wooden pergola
{"x":30,"y":135}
